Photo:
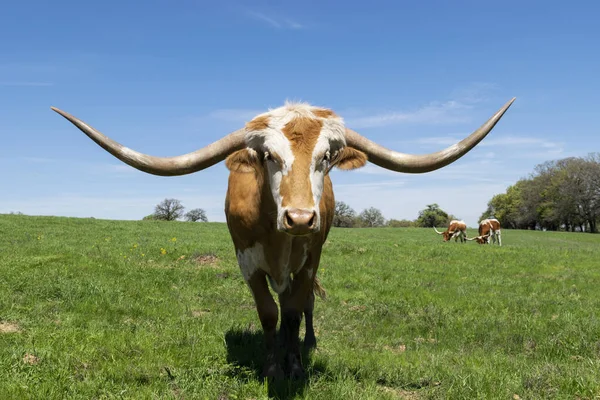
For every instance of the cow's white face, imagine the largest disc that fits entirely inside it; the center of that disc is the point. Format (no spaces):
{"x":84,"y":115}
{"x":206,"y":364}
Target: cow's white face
{"x":296,"y":145}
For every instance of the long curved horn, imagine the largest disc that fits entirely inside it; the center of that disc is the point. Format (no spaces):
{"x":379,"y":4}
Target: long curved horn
{"x":401,"y":162}
{"x":474,"y":238}
{"x":436,"y":231}
{"x":164,"y":166}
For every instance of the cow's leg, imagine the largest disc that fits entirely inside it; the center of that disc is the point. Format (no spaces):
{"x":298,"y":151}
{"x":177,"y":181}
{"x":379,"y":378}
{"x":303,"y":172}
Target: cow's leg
{"x":293,"y":302}
{"x":499,"y":238}
{"x":310,"y":341}
{"x":268,"y":315}
{"x":456,"y":236}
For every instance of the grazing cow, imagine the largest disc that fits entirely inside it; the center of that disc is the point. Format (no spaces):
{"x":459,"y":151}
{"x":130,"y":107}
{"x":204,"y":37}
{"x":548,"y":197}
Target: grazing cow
{"x":456,"y":229}
{"x":481,"y":239}
{"x":279,"y":204}
{"x":489,"y":228}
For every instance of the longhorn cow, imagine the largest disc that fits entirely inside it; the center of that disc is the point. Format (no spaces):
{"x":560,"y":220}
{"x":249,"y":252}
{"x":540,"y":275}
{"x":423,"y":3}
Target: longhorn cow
{"x":456,"y":229}
{"x":489,"y":228}
{"x":279,"y":204}
{"x":481,"y":239}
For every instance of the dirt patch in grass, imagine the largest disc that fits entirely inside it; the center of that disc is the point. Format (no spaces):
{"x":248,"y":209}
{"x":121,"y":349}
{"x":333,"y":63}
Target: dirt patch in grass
{"x":401,"y":348}
{"x":9,"y":327}
{"x":31,"y":359}
{"x":206,"y":260}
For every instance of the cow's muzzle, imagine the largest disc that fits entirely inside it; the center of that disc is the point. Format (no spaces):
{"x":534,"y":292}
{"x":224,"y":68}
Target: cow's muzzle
{"x":300,"y":221}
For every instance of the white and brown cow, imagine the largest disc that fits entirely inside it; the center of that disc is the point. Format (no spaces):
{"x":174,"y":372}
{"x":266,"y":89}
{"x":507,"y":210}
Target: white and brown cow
{"x":280,"y":203}
{"x":482,"y":239}
{"x":456,"y":229}
{"x":489,"y":228}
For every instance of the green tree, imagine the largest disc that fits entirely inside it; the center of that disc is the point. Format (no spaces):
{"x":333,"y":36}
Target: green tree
{"x":559,"y":194}
{"x":371,"y":217}
{"x":432,"y":216}
{"x":506,"y":207}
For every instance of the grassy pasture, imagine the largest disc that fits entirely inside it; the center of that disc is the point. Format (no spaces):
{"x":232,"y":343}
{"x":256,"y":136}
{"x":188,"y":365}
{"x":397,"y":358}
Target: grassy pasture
{"x":115,"y":309}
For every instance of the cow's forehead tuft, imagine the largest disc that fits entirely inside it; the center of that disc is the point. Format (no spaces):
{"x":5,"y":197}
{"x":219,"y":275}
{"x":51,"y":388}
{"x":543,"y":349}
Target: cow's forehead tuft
{"x":295,"y":122}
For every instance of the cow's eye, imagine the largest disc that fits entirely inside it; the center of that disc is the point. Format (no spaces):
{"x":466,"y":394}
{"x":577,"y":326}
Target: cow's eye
{"x":327,"y":157}
{"x":268,"y":156}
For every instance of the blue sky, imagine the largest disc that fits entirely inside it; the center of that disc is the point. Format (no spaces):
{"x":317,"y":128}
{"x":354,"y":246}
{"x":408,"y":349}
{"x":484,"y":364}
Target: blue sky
{"x":171,"y":76}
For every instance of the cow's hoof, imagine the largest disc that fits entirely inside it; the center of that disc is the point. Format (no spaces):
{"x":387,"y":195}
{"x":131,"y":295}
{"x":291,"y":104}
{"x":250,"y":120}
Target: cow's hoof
{"x":310,"y":342}
{"x":273,"y":371}
{"x":294,"y":368}
{"x":297,"y":372}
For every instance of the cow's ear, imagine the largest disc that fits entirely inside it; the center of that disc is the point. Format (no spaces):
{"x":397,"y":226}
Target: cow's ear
{"x":245,"y":160}
{"x":350,"y":158}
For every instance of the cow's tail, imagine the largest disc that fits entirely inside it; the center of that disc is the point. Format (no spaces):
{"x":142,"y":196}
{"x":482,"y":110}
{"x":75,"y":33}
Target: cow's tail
{"x":318,"y":289}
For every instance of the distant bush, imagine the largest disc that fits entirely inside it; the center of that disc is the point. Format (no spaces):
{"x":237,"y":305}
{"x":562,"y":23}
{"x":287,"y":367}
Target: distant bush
{"x":403,"y":223}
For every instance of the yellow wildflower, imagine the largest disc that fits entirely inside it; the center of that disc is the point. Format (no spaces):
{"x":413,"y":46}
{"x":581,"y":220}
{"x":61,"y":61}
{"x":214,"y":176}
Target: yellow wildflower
{"x":163,"y":251}
{"x":174,"y":239}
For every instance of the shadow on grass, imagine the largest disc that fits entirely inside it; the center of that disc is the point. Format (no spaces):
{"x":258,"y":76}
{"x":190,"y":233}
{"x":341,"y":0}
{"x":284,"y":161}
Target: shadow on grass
{"x":246,"y":351}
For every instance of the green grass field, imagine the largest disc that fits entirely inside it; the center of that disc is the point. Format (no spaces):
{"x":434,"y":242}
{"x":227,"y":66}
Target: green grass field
{"x":118,"y":309}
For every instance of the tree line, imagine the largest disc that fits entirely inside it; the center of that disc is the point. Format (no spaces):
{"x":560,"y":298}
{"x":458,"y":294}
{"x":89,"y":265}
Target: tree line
{"x":346,"y":217}
{"x":172,"y":210}
{"x":559,"y":195}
